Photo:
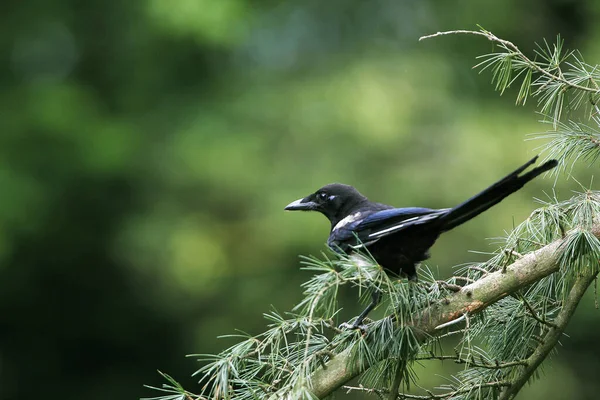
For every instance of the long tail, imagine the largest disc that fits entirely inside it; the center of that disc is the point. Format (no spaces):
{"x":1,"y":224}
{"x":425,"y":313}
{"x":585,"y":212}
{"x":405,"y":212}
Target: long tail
{"x":493,"y":194}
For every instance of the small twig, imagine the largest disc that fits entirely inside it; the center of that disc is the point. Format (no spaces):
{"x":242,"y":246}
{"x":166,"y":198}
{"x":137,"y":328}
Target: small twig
{"x":472,"y":363}
{"x":451,"y":333}
{"x":450,"y":286}
{"x":512,"y":47}
{"x":463,"y":278}
{"x":330,"y":324}
{"x":535,"y":242}
{"x":430,"y":395}
{"x":507,"y":262}
{"x":514,"y":253}
{"x":482,"y":270}
{"x":378,"y":392}
{"x":534,"y":314}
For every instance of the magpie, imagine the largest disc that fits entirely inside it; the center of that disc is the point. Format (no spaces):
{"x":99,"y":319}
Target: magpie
{"x":400,"y":238}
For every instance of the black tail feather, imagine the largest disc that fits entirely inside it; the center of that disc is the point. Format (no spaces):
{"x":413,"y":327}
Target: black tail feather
{"x":493,"y":194}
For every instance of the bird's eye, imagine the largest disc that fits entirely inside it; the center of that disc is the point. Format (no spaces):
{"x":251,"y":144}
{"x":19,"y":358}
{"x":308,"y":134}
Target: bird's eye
{"x":322,"y":196}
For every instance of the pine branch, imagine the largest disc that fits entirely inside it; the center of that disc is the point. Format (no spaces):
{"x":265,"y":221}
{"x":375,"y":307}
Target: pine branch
{"x":511,"y":46}
{"x":471,"y":299}
{"x":552,"y":337}
{"x":550,"y":76}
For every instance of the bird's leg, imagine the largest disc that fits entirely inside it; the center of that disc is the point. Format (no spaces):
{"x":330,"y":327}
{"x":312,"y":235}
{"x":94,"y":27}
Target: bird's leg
{"x":358,"y":322}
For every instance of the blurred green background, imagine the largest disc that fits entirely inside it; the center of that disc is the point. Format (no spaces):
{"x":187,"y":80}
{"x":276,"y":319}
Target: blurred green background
{"x":148,"y":148}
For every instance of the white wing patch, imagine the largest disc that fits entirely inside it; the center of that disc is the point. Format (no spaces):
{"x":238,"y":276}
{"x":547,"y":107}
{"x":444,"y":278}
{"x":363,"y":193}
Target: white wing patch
{"x":393,"y":228}
{"x":348,"y":220}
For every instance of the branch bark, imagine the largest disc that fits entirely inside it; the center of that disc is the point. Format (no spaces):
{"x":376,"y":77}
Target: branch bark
{"x":471,"y":299}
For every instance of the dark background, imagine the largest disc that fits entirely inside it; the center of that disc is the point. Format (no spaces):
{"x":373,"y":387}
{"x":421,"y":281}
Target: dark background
{"x":147,"y":149}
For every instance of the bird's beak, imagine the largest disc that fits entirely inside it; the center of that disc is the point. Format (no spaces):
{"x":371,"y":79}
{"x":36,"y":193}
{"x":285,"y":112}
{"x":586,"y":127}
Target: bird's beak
{"x":304,"y":204}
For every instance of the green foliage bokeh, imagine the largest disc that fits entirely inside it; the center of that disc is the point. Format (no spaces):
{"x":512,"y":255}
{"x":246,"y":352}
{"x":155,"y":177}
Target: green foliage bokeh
{"x":147,"y":150}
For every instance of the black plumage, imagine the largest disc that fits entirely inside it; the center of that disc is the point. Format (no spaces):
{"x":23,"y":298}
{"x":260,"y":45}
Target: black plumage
{"x":400,"y":238}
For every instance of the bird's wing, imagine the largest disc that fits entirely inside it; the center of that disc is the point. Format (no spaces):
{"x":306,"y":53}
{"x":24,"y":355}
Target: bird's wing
{"x":386,"y":222}
{"x":370,"y":227}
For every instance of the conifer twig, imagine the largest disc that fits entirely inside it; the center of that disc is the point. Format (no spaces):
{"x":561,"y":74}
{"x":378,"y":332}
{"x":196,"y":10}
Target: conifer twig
{"x":534,"y":314}
{"x":511,"y":46}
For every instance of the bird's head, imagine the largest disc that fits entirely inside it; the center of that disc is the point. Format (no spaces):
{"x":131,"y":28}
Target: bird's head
{"x":336,"y":201}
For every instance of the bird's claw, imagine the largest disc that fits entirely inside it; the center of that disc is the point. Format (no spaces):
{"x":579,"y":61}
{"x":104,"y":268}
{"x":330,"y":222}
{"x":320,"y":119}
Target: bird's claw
{"x":361,"y":327}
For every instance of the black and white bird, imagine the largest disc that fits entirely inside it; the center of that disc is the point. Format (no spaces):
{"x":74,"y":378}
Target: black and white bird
{"x":400,"y":238}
